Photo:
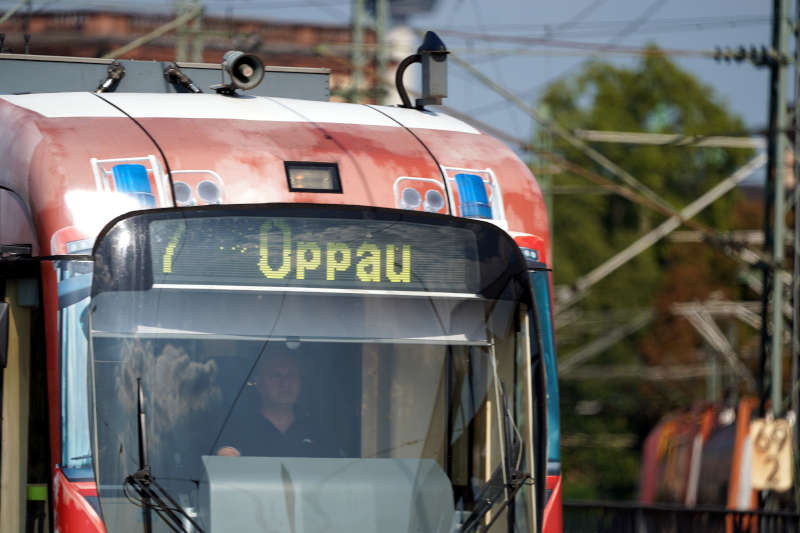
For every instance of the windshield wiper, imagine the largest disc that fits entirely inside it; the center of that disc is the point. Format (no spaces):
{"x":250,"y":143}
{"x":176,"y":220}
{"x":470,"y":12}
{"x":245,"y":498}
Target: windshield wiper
{"x":151,"y":495}
{"x":495,"y":488}
{"x":150,"y":498}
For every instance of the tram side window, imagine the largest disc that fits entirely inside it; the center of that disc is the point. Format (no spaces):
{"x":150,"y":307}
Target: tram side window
{"x":74,"y":282}
{"x":540,"y":281}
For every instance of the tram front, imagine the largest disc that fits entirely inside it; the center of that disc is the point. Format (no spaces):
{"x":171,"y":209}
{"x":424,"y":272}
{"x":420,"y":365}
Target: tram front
{"x":309,"y":368}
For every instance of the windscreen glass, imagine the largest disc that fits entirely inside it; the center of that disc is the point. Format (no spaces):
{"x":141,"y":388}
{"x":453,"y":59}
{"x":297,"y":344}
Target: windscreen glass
{"x":286,"y":356}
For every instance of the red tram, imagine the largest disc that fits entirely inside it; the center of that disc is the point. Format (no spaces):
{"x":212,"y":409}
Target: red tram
{"x":159,"y":245}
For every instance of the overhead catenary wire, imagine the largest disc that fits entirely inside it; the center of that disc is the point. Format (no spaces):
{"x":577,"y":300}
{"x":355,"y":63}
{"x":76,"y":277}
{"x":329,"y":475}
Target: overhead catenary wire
{"x":573,"y":359}
{"x":582,"y":45}
{"x":638,"y":372}
{"x":671,"y":139}
{"x":605,"y":27}
{"x":570,"y":27}
{"x":584,"y":282}
{"x":676,"y":217}
{"x":629,"y":27}
{"x":495,"y":66}
{"x":641,"y":19}
{"x":167,"y":7}
{"x":580,"y":15}
{"x":481,"y":52}
{"x":8,"y":14}
{"x":190,"y":14}
{"x":562,"y":132}
{"x":579,"y":170}
{"x":734,"y":249}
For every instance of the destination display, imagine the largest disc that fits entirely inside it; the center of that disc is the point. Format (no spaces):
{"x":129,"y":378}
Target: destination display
{"x":313,"y":252}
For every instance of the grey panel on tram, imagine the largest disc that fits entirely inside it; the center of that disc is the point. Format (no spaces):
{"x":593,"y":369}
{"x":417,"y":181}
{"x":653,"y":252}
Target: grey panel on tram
{"x":305,"y":495}
{"x":22,"y":74}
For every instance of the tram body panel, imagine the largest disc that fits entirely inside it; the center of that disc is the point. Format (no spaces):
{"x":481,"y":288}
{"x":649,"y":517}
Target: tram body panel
{"x":73,"y":151}
{"x":524,"y":208}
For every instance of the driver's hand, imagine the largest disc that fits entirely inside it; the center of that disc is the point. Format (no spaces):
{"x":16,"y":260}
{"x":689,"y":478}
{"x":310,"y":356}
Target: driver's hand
{"x":229,"y":451}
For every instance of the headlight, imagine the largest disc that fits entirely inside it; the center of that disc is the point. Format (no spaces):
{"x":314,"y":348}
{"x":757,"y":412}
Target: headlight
{"x":410,"y":198}
{"x":208,"y":192}
{"x":183,"y":193}
{"x":434,"y":201}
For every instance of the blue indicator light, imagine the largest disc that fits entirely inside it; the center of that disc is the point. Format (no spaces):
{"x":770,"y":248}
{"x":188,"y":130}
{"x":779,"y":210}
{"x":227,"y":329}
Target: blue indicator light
{"x":472,"y":196}
{"x":133,"y":180}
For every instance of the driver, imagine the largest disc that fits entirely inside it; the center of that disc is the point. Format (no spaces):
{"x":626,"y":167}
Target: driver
{"x":270,"y":425}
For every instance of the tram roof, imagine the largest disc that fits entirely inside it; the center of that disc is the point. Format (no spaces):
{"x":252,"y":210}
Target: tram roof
{"x":60,"y":150}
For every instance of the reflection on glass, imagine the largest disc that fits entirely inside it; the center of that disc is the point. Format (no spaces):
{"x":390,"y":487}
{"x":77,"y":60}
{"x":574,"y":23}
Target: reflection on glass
{"x":540,"y":282}
{"x":74,"y":282}
{"x":343,"y":400}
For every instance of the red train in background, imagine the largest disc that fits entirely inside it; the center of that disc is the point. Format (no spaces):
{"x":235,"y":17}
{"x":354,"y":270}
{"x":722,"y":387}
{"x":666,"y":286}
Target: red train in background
{"x":701,"y":457}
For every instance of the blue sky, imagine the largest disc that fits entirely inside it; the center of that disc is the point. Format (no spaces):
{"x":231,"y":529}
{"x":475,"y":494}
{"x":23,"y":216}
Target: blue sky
{"x":526,"y":68}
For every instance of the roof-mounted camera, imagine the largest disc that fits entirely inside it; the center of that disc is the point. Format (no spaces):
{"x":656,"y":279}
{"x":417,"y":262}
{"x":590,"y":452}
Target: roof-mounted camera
{"x":432,"y":54}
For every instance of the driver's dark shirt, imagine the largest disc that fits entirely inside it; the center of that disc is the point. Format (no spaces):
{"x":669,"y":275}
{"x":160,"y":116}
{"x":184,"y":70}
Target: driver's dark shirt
{"x":253,"y":434}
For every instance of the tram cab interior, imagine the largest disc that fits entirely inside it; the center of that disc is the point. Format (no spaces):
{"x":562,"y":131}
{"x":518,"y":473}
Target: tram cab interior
{"x":421,"y":403}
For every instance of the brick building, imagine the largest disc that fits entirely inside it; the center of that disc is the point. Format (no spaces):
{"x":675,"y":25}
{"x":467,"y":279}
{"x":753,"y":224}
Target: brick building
{"x":87,"y":33}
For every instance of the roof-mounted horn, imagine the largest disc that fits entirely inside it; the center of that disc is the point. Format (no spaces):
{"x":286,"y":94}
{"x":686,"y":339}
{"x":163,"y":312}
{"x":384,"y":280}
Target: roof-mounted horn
{"x":245,"y":72}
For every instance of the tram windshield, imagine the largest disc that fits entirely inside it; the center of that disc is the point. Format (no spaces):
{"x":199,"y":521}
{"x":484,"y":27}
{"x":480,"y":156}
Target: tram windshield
{"x":303,"y":369}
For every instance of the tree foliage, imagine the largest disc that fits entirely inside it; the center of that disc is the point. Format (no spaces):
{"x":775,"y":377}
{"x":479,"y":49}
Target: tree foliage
{"x":655,"y":95}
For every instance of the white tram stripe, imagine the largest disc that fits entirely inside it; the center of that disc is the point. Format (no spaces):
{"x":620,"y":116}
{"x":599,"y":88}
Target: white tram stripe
{"x":318,"y":290}
{"x":213,"y":106}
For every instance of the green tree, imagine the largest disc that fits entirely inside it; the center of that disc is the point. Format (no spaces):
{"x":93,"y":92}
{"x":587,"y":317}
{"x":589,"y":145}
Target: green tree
{"x":657,"y":96}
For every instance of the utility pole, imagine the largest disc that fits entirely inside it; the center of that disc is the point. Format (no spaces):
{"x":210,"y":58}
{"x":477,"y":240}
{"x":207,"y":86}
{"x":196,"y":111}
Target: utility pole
{"x":26,"y":26}
{"x":198,"y":38}
{"x":182,"y":34}
{"x":357,"y":50}
{"x":795,"y":370}
{"x":155,"y":34}
{"x":774,"y":205}
{"x":9,"y":13}
{"x":382,"y":54}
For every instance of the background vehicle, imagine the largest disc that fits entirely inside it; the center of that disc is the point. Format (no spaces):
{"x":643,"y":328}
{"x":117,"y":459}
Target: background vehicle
{"x":419,"y":349}
{"x":701,"y":458}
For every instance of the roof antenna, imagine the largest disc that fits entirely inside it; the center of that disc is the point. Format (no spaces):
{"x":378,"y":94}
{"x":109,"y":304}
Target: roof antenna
{"x":176,"y":76}
{"x":433,"y":56}
{"x":115,"y":73}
